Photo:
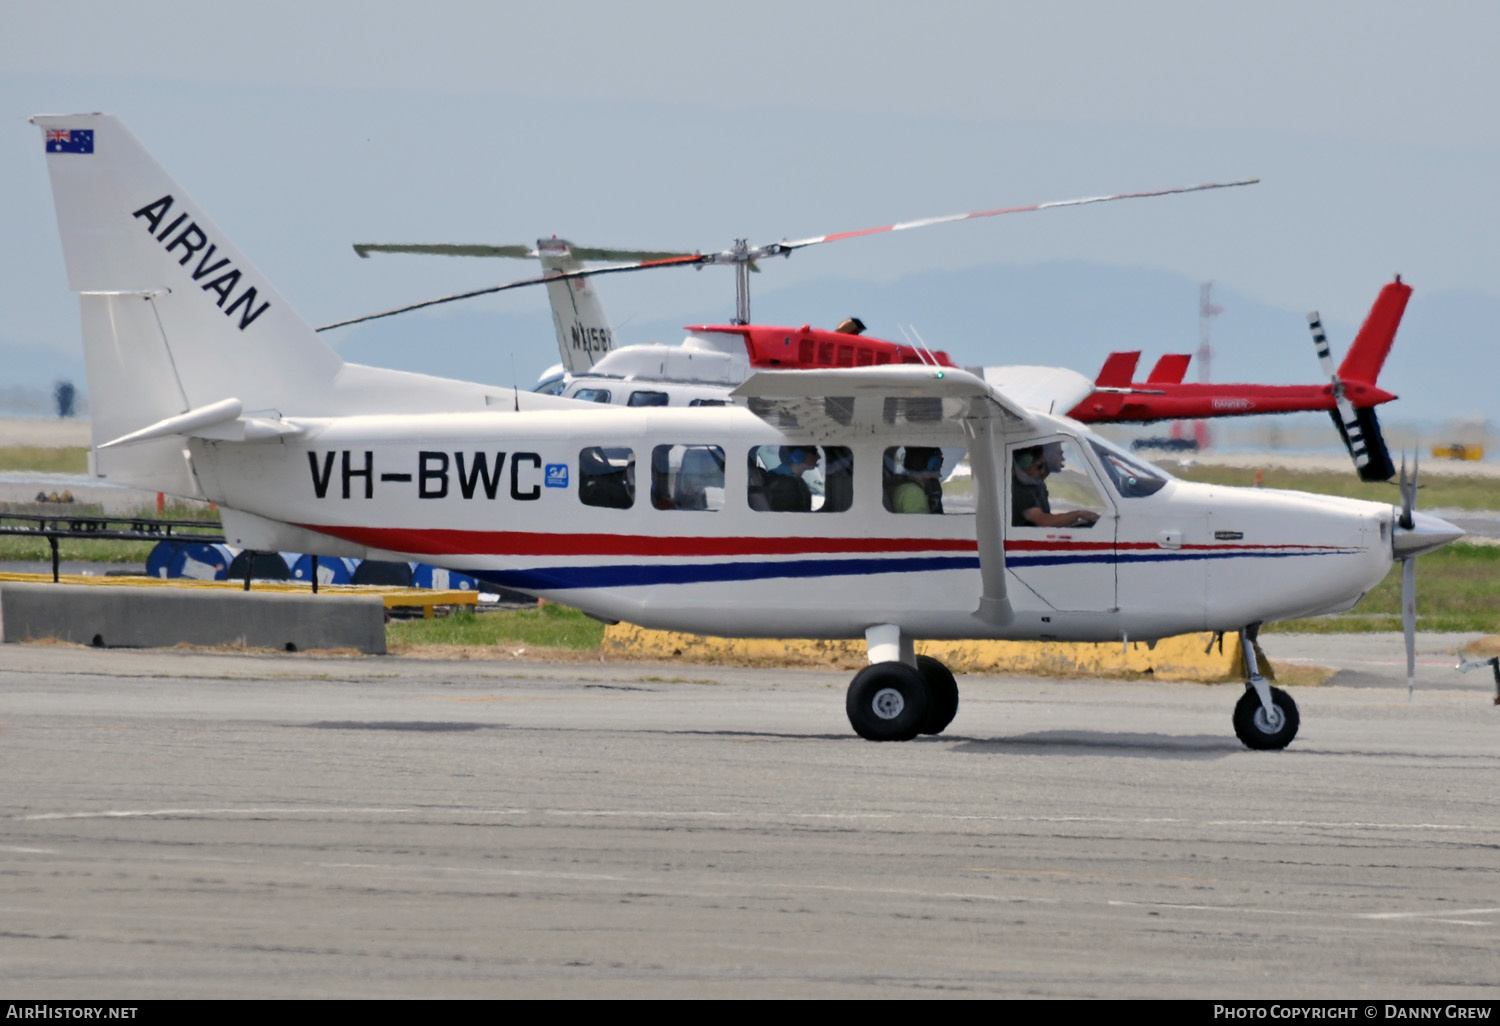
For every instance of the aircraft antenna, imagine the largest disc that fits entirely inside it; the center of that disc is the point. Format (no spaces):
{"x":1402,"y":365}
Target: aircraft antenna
{"x":923,"y":347}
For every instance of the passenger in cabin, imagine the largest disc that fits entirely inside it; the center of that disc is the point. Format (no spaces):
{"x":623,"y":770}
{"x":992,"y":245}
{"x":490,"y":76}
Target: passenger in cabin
{"x":917,"y":486}
{"x":1029,"y":504}
{"x":851,"y":326}
{"x":786,"y":492}
{"x":702,"y":468}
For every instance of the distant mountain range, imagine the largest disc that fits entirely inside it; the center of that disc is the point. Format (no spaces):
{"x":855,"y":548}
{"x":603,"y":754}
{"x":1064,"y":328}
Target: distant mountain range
{"x":1071,"y":314}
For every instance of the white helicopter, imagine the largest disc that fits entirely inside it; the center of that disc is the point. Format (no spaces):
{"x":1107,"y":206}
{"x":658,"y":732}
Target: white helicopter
{"x":205,"y":383}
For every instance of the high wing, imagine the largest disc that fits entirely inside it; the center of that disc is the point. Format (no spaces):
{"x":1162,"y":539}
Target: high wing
{"x":1055,"y":390}
{"x":908,"y":403}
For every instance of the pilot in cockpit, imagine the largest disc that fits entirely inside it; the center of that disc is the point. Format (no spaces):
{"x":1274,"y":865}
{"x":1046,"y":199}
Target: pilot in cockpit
{"x":1030,"y":506}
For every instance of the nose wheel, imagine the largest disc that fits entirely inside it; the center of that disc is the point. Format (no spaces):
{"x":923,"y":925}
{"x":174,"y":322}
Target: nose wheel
{"x":1262,"y":728}
{"x":1265,"y":718}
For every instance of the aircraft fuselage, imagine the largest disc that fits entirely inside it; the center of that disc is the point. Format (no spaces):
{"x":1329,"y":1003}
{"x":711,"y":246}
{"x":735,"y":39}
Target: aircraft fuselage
{"x":525,"y":501}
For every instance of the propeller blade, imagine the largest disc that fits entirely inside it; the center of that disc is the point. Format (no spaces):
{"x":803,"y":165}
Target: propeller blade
{"x":587,"y":272}
{"x":1409,"y":619}
{"x":1408,"y":490}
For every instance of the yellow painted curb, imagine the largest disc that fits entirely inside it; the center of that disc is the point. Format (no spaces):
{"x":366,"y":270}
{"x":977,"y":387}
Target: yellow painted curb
{"x":390,"y":595}
{"x":1181,"y":658}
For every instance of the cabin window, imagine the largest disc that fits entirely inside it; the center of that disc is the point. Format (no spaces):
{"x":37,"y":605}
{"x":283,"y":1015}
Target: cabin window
{"x":927,"y":479}
{"x":647,"y":399}
{"x":592,"y":395}
{"x":606,"y":477}
{"x":1131,"y":478}
{"x":689,"y":477}
{"x":709,"y":402}
{"x":801,"y":478}
{"x":1050,"y":486}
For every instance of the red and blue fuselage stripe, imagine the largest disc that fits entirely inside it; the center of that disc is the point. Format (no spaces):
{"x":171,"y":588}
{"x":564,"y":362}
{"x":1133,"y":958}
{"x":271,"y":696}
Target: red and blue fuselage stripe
{"x":842,"y":557}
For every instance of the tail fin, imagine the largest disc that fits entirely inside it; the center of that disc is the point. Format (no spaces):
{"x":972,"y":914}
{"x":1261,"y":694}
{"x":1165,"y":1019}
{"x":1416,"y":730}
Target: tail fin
{"x":174,"y":317}
{"x":1170,"y":369}
{"x":1118,"y":369}
{"x":1373,"y":343}
{"x":583,"y":331}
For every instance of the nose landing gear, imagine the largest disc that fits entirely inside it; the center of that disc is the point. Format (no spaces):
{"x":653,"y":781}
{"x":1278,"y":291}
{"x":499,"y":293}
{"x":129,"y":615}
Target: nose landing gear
{"x":1265,"y":717}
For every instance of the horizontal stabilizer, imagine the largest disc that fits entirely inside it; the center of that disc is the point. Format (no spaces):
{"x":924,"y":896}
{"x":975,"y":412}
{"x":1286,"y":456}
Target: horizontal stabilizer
{"x":220,"y":420}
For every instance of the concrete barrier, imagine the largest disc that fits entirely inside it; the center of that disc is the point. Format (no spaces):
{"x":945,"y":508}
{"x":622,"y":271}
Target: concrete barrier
{"x":132,"y":617}
{"x":1180,"y":658}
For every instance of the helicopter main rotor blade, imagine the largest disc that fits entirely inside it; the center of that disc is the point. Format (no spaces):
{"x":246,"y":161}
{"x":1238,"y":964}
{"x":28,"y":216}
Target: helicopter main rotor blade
{"x":740,"y":254}
{"x":784,"y":248}
{"x":690,"y":259}
{"x":465,"y":249}
{"x":364,"y":249}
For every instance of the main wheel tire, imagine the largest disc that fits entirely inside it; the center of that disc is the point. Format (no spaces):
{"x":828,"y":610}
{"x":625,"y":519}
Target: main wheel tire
{"x":1256,"y":729}
{"x":888,"y":702}
{"x":943,"y":690}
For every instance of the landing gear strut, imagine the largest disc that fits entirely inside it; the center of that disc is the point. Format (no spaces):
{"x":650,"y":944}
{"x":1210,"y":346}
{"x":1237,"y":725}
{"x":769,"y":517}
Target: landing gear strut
{"x":900,"y":694}
{"x":1264,"y":717}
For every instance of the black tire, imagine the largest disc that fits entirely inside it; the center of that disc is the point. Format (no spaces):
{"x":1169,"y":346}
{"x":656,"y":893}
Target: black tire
{"x":1250,"y":720}
{"x":888,"y":702}
{"x":943,"y":690}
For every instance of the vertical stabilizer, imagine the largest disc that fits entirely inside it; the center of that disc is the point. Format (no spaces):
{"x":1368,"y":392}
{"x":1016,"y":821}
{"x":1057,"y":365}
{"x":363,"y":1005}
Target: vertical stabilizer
{"x":1118,"y":369}
{"x":1373,"y":343}
{"x":174,"y":316}
{"x":1170,"y":369}
{"x":584,"y":335}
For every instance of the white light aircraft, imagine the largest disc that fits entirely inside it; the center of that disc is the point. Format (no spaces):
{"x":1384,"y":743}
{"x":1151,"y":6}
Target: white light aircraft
{"x":205,"y":383}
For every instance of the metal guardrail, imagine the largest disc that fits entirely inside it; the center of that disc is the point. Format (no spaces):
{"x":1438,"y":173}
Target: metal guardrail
{"x":53,"y":528}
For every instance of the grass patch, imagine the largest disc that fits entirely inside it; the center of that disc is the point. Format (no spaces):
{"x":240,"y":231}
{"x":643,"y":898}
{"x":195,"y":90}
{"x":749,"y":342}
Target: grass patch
{"x":27,"y":548}
{"x":42,"y":460}
{"x":1437,"y":492}
{"x":1458,"y":589}
{"x":548,"y":626}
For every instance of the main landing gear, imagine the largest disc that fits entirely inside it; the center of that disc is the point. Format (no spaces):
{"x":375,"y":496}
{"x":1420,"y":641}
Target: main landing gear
{"x":900,"y":694}
{"x":1264,"y":717}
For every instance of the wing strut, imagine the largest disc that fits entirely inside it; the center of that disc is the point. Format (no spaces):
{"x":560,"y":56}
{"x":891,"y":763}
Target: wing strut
{"x":984,"y":459}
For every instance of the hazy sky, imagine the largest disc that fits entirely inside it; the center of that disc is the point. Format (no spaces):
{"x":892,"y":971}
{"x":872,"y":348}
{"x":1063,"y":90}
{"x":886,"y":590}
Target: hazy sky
{"x":302,"y":127}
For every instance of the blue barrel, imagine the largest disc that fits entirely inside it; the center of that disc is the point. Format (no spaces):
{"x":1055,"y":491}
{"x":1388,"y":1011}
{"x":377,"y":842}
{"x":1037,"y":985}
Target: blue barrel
{"x":201,"y":562}
{"x":331,"y":569}
{"x":387,"y":573}
{"x":262,"y":566}
{"x":158,"y":563}
{"x":440,"y":579}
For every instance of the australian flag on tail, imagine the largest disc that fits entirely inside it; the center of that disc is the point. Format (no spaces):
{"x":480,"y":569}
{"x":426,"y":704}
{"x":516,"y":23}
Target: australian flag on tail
{"x":78,"y":140}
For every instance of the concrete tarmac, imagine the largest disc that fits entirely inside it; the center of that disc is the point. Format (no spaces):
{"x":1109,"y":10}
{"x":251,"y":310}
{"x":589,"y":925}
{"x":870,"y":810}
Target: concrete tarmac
{"x":189,"y":825}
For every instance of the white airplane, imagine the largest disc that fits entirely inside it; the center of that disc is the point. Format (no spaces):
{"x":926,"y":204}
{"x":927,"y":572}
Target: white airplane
{"x":205,"y":383}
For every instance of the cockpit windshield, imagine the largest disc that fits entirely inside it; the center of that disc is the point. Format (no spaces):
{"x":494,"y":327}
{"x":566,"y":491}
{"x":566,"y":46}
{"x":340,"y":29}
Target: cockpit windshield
{"x":1132,"y":478}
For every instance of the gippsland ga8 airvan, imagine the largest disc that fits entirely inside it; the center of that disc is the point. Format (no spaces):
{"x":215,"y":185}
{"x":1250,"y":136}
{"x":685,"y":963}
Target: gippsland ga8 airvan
{"x":817,"y":504}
